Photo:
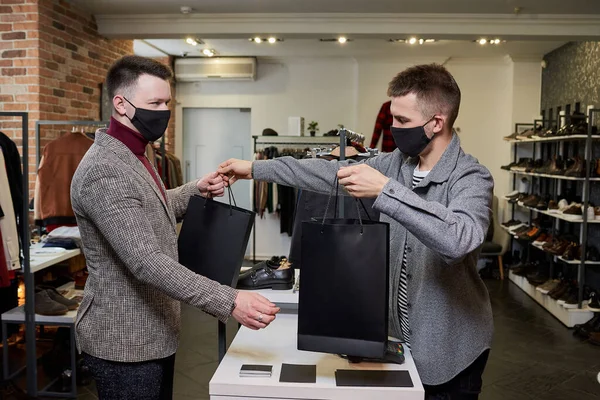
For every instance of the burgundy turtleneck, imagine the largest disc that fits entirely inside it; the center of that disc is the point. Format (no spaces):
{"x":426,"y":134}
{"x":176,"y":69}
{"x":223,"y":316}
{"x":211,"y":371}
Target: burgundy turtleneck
{"x":137,"y":144}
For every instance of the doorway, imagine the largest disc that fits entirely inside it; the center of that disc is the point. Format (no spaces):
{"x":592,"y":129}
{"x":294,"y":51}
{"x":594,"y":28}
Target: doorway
{"x":213,"y":135}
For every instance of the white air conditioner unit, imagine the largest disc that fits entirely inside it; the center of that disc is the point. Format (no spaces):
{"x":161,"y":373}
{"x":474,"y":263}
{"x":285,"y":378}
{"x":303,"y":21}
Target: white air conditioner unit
{"x":215,"y":68}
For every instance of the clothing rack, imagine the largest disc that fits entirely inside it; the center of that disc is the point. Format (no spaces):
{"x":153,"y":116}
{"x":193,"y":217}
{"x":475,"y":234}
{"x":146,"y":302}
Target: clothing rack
{"x":30,"y":342}
{"x":294,"y":141}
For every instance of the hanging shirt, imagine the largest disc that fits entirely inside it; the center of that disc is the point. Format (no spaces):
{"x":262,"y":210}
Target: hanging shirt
{"x":383,"y":125}
{"x":418,"y":176}
{"x":137,"y":144}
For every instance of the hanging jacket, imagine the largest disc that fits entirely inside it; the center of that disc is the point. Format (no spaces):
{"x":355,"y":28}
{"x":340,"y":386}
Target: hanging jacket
{"x":60,"y":159}
{"x":8,"y":223}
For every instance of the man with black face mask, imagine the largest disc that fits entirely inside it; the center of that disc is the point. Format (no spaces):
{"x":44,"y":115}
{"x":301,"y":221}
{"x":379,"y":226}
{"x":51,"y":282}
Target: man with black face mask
{"x":128,"y":322}
{"x":437,"y":200}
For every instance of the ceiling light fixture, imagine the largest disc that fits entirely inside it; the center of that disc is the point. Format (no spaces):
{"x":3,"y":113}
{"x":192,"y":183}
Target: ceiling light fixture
{"x":208,"y":52}
{"x":270,"y":39}
{"x":484,"y":41}
{"x":191,"y":41}
{"x":342,"y":39}
{"x":412,"y":40}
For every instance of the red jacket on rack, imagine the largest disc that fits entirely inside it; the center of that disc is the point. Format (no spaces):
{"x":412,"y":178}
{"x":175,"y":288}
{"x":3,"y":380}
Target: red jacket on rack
{"x":383,"y":124}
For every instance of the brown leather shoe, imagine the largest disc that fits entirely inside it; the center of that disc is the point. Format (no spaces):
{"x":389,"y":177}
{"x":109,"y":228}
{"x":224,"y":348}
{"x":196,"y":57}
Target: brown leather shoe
{"x":556,"y":168}
{"x":559,"y":248}
{"x":578,"y":169}
{"x":575,"y":209}
{"x":571,"y":251}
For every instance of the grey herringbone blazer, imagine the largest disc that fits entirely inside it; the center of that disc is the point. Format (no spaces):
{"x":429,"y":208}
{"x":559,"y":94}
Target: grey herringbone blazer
{"x":131,"y":304}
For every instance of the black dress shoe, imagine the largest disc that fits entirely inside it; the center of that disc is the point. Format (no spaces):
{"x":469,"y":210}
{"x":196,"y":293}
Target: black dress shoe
{"x":266,"y":278}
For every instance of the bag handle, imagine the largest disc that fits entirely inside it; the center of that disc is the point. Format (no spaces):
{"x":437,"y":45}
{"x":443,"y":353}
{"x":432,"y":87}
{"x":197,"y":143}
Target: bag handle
{"x":335,"y":186}
{"x":231,"y":197}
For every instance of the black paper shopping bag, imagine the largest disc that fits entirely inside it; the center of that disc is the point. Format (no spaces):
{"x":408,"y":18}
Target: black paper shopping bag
{"x":343,"y":306}
{"x":214,"y":237}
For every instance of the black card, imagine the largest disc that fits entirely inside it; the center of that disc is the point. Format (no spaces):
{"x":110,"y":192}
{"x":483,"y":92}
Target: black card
{"x":295,"y":373}
{"x":370,"y":378}
{"x":256,"y":368}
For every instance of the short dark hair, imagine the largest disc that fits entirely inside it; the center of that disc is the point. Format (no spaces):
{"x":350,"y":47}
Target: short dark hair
{"x":434,"y":86}
{"x":124,"y":73}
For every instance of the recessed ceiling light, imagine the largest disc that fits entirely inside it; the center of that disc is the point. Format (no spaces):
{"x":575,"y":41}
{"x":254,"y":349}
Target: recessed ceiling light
{"x":496,"y":41}
{"x":191,"y":41}
{"x":208,"y":52}
{"x":272,"y":40}
{"x":342,"y":39}
{"x":257,"y":40}
{"x":415,"y":40}
{"x":334,"y":40}
{"x":482,"y":41}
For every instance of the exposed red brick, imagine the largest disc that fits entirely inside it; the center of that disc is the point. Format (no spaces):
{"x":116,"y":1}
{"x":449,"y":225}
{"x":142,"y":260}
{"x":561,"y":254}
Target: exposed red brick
{"x":6,"y":27}
{"x":14,"y":36}
{"x":13,"y":53}
{"x":13,"y":18}
{"x":13,"y":71}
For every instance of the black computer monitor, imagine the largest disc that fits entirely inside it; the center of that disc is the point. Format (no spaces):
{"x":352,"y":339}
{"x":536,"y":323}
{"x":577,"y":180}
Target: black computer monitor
{"x":344,"y":286}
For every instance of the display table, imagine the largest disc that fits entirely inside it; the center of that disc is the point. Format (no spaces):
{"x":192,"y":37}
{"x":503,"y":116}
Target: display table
{"x":41,"y":258}
{"x":44,"y":257}
{"x":276,"y":345}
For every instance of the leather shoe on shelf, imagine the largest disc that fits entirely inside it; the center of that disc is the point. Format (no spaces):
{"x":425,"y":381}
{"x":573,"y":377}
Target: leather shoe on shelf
{"x":44,"y":305}
{"x":267,"y":278}
{"x":552,"y":206}
{"x":578,"y":169}
{"x":574,"y":209}
{"x":532,"y":201}
{"x":57,"y":297}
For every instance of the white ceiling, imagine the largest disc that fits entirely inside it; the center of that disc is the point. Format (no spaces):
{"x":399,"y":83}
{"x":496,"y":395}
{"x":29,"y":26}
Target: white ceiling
{"x":583,"y":7}
{"x":361,"y":47}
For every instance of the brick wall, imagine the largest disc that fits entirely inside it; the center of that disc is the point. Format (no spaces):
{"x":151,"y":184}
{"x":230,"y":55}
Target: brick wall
{"x":19,"y":66}
{"x":53,"y":62}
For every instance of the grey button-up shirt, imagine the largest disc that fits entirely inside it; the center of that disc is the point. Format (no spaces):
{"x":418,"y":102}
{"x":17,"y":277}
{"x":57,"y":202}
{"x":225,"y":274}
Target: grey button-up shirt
{"x":443,"y":221}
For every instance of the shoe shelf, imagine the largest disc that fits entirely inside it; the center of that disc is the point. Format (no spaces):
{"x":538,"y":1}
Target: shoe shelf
{"x":568,"y":178}
{"x":17,"y":314}
{"x":577,"y":262}
{"x":540,"y":246}
{"x":576,"y":219}
{"x":553,"y":139}
{"x":568,"y":316}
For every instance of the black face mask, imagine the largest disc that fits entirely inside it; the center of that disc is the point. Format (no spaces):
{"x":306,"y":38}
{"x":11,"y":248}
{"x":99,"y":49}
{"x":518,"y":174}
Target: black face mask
{"x":411,"y":141}
{"x":152,"y":124}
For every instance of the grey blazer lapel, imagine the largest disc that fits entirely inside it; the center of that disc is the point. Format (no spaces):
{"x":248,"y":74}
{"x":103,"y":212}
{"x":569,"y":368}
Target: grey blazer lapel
{"x":114,"y":145}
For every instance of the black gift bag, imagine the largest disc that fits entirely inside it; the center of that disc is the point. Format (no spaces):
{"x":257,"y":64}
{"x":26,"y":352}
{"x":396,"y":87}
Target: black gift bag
{"x":214,"y":237}
{"x":343,"y":305}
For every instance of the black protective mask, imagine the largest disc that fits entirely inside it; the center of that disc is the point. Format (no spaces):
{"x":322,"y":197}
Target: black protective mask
{"x":152,"y":124}
{"x":411,"y":141}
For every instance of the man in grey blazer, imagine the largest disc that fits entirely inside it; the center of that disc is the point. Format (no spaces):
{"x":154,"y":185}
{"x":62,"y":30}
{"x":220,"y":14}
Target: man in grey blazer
{"x":128,"y":322}
{"x":437,"y":200}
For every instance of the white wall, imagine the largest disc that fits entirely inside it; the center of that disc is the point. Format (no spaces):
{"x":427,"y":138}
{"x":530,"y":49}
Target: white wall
{"x":495,"y":94}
